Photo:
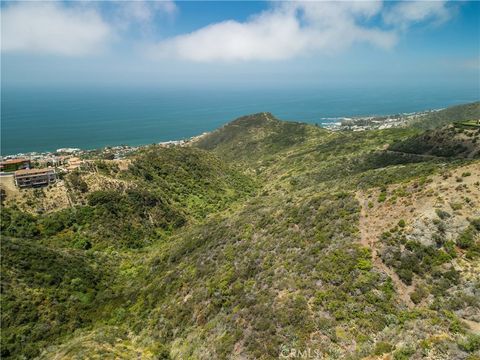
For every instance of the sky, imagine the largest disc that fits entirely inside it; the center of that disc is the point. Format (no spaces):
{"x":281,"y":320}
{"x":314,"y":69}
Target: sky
{"x":240,"y":44}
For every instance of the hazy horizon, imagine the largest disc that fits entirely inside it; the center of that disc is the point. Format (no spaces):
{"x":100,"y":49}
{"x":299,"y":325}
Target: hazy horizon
{"x":239,"y":44}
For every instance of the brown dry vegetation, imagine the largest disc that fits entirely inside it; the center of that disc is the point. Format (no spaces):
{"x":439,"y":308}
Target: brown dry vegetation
{"x":417,"y":204}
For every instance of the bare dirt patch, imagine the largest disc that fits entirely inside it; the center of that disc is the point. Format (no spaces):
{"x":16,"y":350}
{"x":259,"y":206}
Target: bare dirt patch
{"x":416,"y":204}
{"x":46,"y":199}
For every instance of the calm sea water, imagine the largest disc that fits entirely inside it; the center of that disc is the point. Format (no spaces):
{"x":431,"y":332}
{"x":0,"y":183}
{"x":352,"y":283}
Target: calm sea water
{"x":47,"y":119}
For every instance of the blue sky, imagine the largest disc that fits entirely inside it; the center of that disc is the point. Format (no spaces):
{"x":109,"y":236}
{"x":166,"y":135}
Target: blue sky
{"x":240,"y":44}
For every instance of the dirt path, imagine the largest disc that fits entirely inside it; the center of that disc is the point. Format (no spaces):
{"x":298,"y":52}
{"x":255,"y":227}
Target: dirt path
{"x":368,"y":237}
{"x":473,"y":325}
{"x":417,"y":208}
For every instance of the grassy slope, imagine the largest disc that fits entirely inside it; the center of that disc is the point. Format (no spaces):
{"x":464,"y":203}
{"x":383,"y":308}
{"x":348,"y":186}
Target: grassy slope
{"x":449,"y":115}
{"x":283,"y":267}
{"x":448,"y":141}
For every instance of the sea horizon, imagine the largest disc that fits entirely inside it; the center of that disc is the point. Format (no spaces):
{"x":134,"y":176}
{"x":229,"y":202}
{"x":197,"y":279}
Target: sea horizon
{"x":43,"y":120}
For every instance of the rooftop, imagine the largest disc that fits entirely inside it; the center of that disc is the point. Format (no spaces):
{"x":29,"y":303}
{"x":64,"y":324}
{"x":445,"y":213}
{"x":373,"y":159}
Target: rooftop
{"x":33,"y":171}
{"x":13,"y":161}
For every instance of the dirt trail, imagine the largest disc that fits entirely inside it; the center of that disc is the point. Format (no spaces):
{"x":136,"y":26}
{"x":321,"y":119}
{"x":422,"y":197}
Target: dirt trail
{"x":368,"y":237}
{"x":473,"y":325}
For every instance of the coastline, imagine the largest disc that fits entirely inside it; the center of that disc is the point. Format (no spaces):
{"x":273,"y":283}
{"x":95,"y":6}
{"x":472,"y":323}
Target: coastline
{"x":342,"y":123}
{"x":118,"y":151}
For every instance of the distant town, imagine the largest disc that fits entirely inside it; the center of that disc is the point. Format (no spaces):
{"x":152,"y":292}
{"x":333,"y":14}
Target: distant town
{"x":36,"y":169}
{"x":363,"y":123}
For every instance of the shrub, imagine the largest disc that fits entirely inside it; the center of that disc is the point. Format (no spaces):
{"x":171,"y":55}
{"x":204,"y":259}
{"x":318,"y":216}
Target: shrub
{"x":406,"y":275}
{"x":383,"y":347}
{"x":364,"y":264}
{"x":442,"y":214}
{"x":418,"y":294}
{"x":475,"y":223}
{"x":77,"y":183}
{"x":382,"y":197}
{"x":471,"y":343}
{"x":466,"y":239}
{"x":456,"y":206}
{"x":403,"y":353}
{"x":16,"y":223}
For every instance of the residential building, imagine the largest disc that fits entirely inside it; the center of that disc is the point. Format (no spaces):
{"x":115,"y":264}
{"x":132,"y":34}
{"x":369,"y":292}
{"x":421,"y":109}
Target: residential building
{"x":74,"y":163}
{"x":34,"y":177}
{"x":12,"y":165}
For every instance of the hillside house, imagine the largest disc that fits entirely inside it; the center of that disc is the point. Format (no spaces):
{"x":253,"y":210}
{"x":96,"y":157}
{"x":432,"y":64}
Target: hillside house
{"x":12,"y":165}
{"x":53,"y":161}
{"x":74,"y":163}
{"x":34,"y":177}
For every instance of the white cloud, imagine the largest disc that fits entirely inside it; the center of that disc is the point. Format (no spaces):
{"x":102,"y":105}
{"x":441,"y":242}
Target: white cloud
{"x":141,"y":12}
{"x":52,"y":28}
{"x":285,"y":31}
{"x":407,"y":13}
{"x":74,"y":28}
{"x":269,"y":36}
{"x":291,"y":29}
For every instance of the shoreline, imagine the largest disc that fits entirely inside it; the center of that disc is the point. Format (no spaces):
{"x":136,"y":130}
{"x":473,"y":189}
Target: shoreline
{"x":118,"y":151}
{"x":341,"y":123}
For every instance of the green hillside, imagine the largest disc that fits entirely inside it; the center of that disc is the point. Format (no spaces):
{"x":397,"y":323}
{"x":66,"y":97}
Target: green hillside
{"x":162,"y":190}
{"x":263,"y":237}
{"x":47,"y":293}
{"x":450,"y":141}
{"x":449,"y":115}
{"x":256,"y":136}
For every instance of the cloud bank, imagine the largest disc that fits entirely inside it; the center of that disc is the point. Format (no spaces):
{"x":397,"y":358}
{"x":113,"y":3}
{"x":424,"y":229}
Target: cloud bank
{"x":73,"y":28}
{"x":295,"y":28}
{"x":53,"y":29}
{"x":286,"y":30}
{"x":408,"y":13}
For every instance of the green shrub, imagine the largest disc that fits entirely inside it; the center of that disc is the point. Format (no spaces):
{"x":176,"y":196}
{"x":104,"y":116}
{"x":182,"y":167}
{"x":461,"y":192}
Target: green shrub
{"x":418,"y":294}
{"x":466,"y":239}
{"x":76,"y":182}
{"x":382,"y":197}
{"x":16,"y":223}
{"x":475,"y":223}
{"x":442,"y":214}
{"x":406,"y":275}
{"x":471,"y":343}
{"x":404,"y":353}
{"x":456,"y":206}
{"x":383,"y":347}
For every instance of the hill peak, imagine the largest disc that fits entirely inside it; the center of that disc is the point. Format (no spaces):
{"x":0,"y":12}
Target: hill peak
{"x":256,"y":119}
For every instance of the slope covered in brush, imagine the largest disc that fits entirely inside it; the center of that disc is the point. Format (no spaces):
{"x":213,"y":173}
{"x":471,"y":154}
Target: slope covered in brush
{"x":321,"y":240}
{"x":255,"y":136}
{"x":449,"y":115}
{"x":46,"y":294}
{"x":162,"y":190}
{"x":449,"y":141}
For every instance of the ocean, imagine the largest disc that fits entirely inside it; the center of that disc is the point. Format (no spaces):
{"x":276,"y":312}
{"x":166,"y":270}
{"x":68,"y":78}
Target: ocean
{"x":34,"y":119}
